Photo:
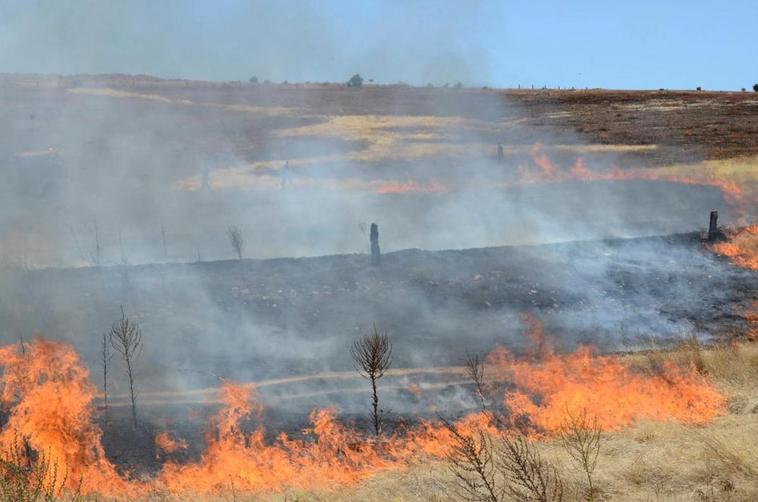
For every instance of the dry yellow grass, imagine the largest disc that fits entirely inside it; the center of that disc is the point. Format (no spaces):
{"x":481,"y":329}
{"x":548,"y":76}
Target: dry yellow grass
{"x":409,"y":137}
{"x":117,"y":93}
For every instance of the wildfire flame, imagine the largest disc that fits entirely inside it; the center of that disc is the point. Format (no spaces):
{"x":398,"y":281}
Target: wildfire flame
{"x":48,"y":397}
{"x":542,"y":170}
{"x":741,"y":248}
{"x":167,"y":444}
{"x":603,"y":388}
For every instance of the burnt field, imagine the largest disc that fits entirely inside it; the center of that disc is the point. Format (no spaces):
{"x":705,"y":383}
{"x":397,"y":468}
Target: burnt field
{"x":287,"y":324}
{"x":230,"y":223}
{"x":256,"y":320}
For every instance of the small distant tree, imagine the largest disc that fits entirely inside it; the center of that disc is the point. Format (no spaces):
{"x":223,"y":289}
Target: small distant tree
{"x":236,"y":239}
{"x":253,"y":79}
{"x":126,"y":339}
{"x":105,"y":357}
{"x":372,"y":355}
{"x":355,"y":81}
{"x":755,"y":87}
{"x":458,"y":85}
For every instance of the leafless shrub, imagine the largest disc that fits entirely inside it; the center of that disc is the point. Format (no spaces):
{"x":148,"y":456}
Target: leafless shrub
{"x":126,"y":339}
{"x":475,"y":370}
{"x":528,"y":477}
{"x":372,"y":355}
{"x":505,"y":468}
{"x":236,"y":239}
{"x":472,"y":463}
{"x":580,"y":437}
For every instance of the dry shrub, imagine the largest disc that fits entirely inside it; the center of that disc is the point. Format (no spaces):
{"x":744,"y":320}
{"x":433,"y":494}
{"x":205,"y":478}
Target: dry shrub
{"x":489,"y":469}
{"x":580,"y":437}
{"x":471,"y":461}
{"x":528,"y":476}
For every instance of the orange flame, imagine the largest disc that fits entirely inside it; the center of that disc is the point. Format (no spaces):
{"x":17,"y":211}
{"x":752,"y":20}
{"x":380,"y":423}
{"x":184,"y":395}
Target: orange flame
{"x":167,"y":444}
{"x":49,"y":398}
{"x":549,"y":387}
{"x":50,"y":401}
{"x":392,"y":187}
{"x":543,"y":170}
{"x":741,"y":248}
{"x":603,"y":388}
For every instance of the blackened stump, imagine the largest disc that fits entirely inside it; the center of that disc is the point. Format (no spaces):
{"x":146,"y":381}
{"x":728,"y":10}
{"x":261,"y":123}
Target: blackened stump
{"x":374,"y":237}
{"x":713,"y":228}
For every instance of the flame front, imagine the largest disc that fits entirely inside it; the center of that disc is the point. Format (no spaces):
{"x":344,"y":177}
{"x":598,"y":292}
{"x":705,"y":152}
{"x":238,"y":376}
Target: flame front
{"x":49,"y":400}
{"x":741,"y":248}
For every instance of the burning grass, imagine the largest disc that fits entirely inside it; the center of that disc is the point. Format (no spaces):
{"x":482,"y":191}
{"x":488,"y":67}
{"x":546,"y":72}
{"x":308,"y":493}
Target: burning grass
{"x":49,"y":402}
{"x":737,"y":179}
{"x":741,"y":248}
{"x":648,"y":460}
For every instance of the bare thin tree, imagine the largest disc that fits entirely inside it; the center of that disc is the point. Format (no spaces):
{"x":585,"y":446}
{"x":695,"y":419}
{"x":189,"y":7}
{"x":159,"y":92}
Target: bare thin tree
{"x":105,"y":357}
{"x":236,"y":239}
{"x":126,"y":339}
{"x":372,"y":355}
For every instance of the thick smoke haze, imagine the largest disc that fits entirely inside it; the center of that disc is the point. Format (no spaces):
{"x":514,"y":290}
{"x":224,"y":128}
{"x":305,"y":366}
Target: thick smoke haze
{"x":295,"y":40}
{"x":121,"y":191}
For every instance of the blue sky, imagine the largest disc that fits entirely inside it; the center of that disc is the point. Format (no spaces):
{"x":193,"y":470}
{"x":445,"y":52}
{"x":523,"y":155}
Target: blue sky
{"x":584,"y":43}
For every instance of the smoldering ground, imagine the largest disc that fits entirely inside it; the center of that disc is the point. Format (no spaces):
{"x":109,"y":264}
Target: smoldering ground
{"x":162,"y":252}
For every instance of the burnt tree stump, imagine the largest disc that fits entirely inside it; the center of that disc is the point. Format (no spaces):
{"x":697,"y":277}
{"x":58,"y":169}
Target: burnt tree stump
{"x":713,"y":227}
{"x":376,"y":255}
